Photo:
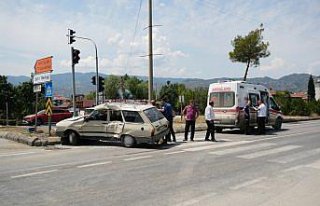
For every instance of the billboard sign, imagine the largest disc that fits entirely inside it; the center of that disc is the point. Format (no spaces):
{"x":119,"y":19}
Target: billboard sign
{"x":43,"y":65}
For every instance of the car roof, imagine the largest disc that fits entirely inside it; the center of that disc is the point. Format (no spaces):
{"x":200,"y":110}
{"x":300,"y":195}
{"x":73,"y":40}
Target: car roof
{"x":123,"y":106}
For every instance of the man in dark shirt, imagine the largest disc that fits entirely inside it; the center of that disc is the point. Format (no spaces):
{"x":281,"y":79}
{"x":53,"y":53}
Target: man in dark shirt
{"x":168,"y":113}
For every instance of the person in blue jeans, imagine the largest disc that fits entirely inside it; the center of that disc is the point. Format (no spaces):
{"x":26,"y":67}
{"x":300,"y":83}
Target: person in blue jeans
{"x":168,"y":113}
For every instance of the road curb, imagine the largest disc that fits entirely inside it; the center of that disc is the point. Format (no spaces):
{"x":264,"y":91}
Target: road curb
{"x":29,"y":140}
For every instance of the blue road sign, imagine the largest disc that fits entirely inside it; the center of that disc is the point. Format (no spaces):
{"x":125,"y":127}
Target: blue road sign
{"x":49,"y":89}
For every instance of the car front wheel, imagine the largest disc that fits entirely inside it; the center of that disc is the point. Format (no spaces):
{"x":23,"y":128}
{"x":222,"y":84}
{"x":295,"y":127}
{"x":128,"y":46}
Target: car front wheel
{"x":73,"y":138}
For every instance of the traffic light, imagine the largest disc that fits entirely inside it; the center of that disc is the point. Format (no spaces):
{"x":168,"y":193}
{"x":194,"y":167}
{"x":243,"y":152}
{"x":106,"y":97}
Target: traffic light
{"x":93,"y":80}
{"x":101,"y":84}
{"x":71,"y":36}
{"x":75,"y":56}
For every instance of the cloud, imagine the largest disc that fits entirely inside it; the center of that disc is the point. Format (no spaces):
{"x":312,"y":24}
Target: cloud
{"x":115,"y":39}
{"x":275,"y":64}
{"x":314,"y":68}
{"x":194,"y":37}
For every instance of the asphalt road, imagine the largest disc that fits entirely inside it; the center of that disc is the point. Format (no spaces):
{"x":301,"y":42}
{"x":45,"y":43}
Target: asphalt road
{"x":280,"y":168}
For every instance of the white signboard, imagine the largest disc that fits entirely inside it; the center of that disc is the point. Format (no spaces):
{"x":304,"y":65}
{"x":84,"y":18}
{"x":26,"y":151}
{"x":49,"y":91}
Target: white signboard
{"x":37,"y":88}
{"x":41,"y":78}
{"x":181,"y":98}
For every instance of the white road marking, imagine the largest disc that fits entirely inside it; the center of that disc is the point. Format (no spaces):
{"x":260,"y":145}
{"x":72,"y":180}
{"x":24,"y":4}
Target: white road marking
{"x":269,"y":152}
{"x":176,"y":152}
{"x":248,"y":183}
{"x":240,"y":149}
{"x":278,"y":137}
{"x":16,"y":154}
{"x":295,"y":168}
{"x":137,"y":158}
{"x":296,"y":156}
{"x":315,"y":165}
{"x":94,"y":164}
{"x":215,"y":145}
{"x":196,"y":200}
{"x":33,"y":173}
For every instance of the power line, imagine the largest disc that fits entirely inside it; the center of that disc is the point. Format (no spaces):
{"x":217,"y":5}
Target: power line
{"x":134,"y":36}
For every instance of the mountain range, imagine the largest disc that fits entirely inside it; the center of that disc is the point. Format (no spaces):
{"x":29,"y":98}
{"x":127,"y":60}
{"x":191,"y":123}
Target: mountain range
{"x":62,"y":83}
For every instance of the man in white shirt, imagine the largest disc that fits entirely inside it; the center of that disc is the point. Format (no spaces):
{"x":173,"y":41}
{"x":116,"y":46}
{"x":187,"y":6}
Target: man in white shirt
{"x":209,"y":116}
{"x":262,"y":113}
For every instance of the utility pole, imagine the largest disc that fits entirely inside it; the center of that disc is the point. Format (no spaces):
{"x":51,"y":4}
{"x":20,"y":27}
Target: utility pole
{"x":150,"y":86}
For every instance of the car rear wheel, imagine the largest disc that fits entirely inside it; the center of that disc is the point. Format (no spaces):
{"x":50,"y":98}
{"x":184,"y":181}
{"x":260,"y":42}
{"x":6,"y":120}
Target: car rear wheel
{"x":128,"y":141}
{"x":73,"y":138}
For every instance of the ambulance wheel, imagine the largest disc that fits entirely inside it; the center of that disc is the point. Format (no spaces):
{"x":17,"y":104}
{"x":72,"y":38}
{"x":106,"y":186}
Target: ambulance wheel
{"x":278,"y":124}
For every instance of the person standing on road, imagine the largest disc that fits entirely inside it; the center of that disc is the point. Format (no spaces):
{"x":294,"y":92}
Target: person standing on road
{"x":209,"y":116}
{"x":168,"y":113}
{"x":190,"y":113}
{"x":247,"y":117}
{"x":262,"y":113}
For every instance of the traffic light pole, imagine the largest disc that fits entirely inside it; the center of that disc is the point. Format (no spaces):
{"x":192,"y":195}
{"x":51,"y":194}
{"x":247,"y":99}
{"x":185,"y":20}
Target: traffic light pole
{"x":97,"y":69}
{"x":73,"y":86}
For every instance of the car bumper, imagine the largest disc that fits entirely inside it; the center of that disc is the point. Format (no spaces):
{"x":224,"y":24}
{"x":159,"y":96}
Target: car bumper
{"x":60,"y":133}
{"x":153,"y":139}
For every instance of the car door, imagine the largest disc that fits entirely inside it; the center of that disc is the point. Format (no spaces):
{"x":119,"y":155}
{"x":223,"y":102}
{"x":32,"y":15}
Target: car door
{"x":274,"y":111}
{"x":254,"y":97}
{"x":115,"y":124}
{"x":95,"y":125}
{"x":265,"y":98}
{"x":135,"y":125}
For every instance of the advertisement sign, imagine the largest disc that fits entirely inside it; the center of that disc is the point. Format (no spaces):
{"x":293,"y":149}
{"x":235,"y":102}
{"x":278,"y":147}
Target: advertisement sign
{"x":43,"y":65}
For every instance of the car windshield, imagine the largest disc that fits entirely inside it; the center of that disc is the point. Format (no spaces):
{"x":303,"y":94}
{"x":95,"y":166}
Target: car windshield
{"x":153,"y":114}
{"x":41,"y":112}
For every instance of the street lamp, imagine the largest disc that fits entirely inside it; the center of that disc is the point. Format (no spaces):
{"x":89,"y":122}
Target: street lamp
{"x":71,"y":40}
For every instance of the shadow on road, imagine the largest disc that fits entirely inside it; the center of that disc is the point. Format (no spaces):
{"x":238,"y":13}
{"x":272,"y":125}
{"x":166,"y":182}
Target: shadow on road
{"x":269,"y":131}
{"x":118,"y":144}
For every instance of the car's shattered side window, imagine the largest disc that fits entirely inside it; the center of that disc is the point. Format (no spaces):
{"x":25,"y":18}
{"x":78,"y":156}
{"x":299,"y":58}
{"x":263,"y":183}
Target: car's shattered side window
{"x":132,"y":116}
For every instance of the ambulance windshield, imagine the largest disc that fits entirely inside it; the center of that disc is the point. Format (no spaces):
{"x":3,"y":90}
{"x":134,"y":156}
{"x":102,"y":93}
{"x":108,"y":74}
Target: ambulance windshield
{"x":223,"y":99}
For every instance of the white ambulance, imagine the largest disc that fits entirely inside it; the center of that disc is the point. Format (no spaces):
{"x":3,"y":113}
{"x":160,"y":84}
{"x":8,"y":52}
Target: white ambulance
{"x":230,"y":98}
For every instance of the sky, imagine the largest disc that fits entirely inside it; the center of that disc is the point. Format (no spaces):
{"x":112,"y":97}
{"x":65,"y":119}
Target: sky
{"x":192,"y":38}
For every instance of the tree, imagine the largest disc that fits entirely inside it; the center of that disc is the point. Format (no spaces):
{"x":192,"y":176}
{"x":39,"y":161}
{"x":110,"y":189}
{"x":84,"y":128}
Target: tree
{"x":6,"y":96}
{"x":170,"y":91}
{"x":91,"y":96}
{"x":311,"y":90}
{"x":112,"y":86}
{"x":249,"y":49}
{"x":135,"y":86}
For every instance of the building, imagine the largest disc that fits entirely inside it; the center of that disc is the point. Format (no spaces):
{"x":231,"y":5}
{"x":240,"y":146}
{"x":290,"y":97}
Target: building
{"x":317,"y":88}
{"x":300,"y":95}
